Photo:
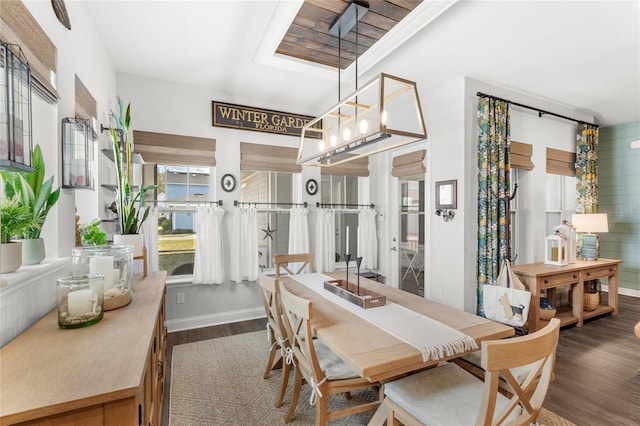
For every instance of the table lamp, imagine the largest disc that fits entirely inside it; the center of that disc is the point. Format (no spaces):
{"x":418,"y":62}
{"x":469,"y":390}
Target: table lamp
{"x":590,"y":224}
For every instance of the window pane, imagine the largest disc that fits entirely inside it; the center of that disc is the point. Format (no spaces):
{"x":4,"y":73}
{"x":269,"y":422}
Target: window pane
{"x":325,"y":189}
{"x":344,"y":219}
{"x":176,"y":236}
{"x":176,"y":242}
{"x":273,"y":237}
{"x":273,"y":227}
{"x":351,"y":189}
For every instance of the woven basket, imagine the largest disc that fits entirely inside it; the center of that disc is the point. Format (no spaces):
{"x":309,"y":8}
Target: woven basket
{"x":590,"y":301}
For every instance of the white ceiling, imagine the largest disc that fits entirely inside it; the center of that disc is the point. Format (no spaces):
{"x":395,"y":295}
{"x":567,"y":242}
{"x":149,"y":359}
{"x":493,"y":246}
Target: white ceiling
{"x":581,"y":55}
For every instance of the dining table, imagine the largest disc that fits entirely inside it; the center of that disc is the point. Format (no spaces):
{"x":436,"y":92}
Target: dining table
{"x":371,"y":350}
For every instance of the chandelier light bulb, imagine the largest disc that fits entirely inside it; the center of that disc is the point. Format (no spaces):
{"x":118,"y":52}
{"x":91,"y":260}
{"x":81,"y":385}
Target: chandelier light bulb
{"x":384,"y":117}
{"x":321,"y":146}
{"x":364,"y":126}
{"x":346,"y":134}
{"x":333,"y":140}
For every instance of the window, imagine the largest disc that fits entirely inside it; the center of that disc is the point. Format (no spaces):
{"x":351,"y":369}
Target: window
{"x":337,"y":189}
{"x":273,"y":223}
{"x":176,"y":221}
{"x":560,"y":199}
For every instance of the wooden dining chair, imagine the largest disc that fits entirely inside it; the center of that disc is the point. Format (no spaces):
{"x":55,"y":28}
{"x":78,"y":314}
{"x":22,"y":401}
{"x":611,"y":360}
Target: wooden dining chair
{"x":293,"y":262}
{"x":277,"y":333}
{"x":315,"y":364}
{"x":448,"y":395}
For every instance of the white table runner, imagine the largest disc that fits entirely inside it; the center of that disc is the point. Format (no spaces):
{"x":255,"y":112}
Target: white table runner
{"x":432,"y":338}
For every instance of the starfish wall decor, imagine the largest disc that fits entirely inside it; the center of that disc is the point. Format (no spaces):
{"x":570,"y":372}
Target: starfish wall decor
{"x":268,"y":232}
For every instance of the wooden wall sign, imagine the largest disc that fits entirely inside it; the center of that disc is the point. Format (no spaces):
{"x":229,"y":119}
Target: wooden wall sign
{"x":260,"y":120}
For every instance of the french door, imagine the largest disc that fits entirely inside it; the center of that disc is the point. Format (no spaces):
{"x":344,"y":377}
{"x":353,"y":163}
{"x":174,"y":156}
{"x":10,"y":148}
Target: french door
{"x":412,"y":230}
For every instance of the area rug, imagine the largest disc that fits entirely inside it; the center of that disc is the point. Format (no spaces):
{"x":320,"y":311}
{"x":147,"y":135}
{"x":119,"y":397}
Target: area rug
{"x":219,"y":382}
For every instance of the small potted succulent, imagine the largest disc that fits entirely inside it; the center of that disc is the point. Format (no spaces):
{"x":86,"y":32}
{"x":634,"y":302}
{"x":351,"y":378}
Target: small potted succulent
{"x":16,"y":219}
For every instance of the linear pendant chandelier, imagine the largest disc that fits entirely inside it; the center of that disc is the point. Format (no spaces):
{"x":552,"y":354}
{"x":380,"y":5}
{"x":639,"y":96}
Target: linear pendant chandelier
{"x":383,"y":114}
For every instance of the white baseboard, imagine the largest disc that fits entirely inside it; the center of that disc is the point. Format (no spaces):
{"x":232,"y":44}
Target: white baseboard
{"x":200,"y":321}
{"x":624,"y":291}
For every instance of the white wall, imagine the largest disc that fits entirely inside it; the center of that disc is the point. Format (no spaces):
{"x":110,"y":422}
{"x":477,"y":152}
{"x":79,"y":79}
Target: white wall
{"x":79,"y":52}
{"x":164,"y":107}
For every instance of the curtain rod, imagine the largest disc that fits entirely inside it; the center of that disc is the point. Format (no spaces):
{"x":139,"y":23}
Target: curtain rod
{"x":237,"y":203}
{"x":541,"y":112}
{"x":156,"y":202}
{"x":345,"y":205}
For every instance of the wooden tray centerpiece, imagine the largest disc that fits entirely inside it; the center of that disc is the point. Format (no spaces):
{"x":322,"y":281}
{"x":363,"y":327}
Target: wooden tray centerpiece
{"x":352,"y":291}
{"x":348,"y":291}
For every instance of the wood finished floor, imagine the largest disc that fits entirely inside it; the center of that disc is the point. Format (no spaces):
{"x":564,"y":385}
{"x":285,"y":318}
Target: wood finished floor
{"x":595,"y":375}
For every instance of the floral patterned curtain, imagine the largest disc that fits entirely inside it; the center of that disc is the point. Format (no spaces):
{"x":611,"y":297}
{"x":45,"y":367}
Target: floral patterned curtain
{"x":587,"y":168}
{"x":494,"y":143}
{"x":586,"y":173}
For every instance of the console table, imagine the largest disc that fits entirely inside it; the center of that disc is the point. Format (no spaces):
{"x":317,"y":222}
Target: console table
{"x":538,"y":277}
{"x":111,"y":373}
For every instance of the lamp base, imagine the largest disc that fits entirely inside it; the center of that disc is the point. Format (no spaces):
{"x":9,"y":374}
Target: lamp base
{"x":589,"y":247}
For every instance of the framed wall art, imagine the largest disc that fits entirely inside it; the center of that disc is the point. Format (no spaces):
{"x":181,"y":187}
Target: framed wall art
{"x":447,"y":194}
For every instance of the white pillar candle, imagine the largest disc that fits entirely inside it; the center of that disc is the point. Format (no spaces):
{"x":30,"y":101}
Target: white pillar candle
{"x":80,"y":302}
{"x":358,"y":242}
{"x":346,"y":249}
{"x":116,"y":277}
{"x":102,"y":265}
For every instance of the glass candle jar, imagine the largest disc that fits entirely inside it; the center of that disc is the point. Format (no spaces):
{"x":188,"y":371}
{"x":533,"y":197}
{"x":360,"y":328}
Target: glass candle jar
{"x":80,"y":300}
{"x":115,"y":262}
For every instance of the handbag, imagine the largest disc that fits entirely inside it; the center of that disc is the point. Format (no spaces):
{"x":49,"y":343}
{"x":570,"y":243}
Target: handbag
{"x":507,"y":302}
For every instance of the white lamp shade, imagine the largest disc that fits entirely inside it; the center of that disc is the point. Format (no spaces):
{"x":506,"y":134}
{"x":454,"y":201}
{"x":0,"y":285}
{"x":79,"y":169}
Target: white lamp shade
{"x":590,"y":222}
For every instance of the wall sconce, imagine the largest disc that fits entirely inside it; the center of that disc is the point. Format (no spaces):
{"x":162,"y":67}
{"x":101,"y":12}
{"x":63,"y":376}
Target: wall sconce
{"x":77,"y":153}
{"x":446,"y":199}
{"x":446,"y":214}
{"x":15,"y":110}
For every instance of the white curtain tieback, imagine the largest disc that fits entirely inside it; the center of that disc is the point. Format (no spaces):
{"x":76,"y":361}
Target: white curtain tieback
{"x":289,"y":357}
{"x":315,"y":391}
{"x":283,"y":348}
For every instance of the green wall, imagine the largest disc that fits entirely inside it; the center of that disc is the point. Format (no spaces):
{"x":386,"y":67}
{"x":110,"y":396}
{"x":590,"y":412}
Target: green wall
{"x":619,"y":197}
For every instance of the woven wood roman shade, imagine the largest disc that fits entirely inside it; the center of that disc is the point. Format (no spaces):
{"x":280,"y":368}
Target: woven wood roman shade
{"x":358,"y":167}
{"x":268,"y":158}
{"x":409,"y":165}
{"x":163,"y":148}
{"x":561,"y":162}
{"x":521,"y":156}
{"x":86,"y":105}
{"x":18,"y":26}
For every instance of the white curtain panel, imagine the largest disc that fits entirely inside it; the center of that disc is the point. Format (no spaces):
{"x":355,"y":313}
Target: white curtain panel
{"x":208,"y":265}
{"x":244,"y":245}
{"x":150,"y":236}
{"x":368,"y":238}
{"x":298,"y":233}
{"x":325,"y":240}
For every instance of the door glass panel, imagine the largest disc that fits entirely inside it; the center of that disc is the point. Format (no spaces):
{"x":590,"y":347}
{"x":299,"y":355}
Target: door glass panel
{"x":412,"y":233}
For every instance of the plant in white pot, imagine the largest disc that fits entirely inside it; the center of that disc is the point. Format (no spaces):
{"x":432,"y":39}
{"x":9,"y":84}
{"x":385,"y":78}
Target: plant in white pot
{"x":15,"y":219}
{"x":38,"y":196}
{"x":129,"y":204}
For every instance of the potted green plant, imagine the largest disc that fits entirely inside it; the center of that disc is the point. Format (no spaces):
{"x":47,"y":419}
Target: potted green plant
{"x":33,"y":192}
{"x":15,"y":219}
{"x":92,"y":235}
{"x":129,"y":204}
